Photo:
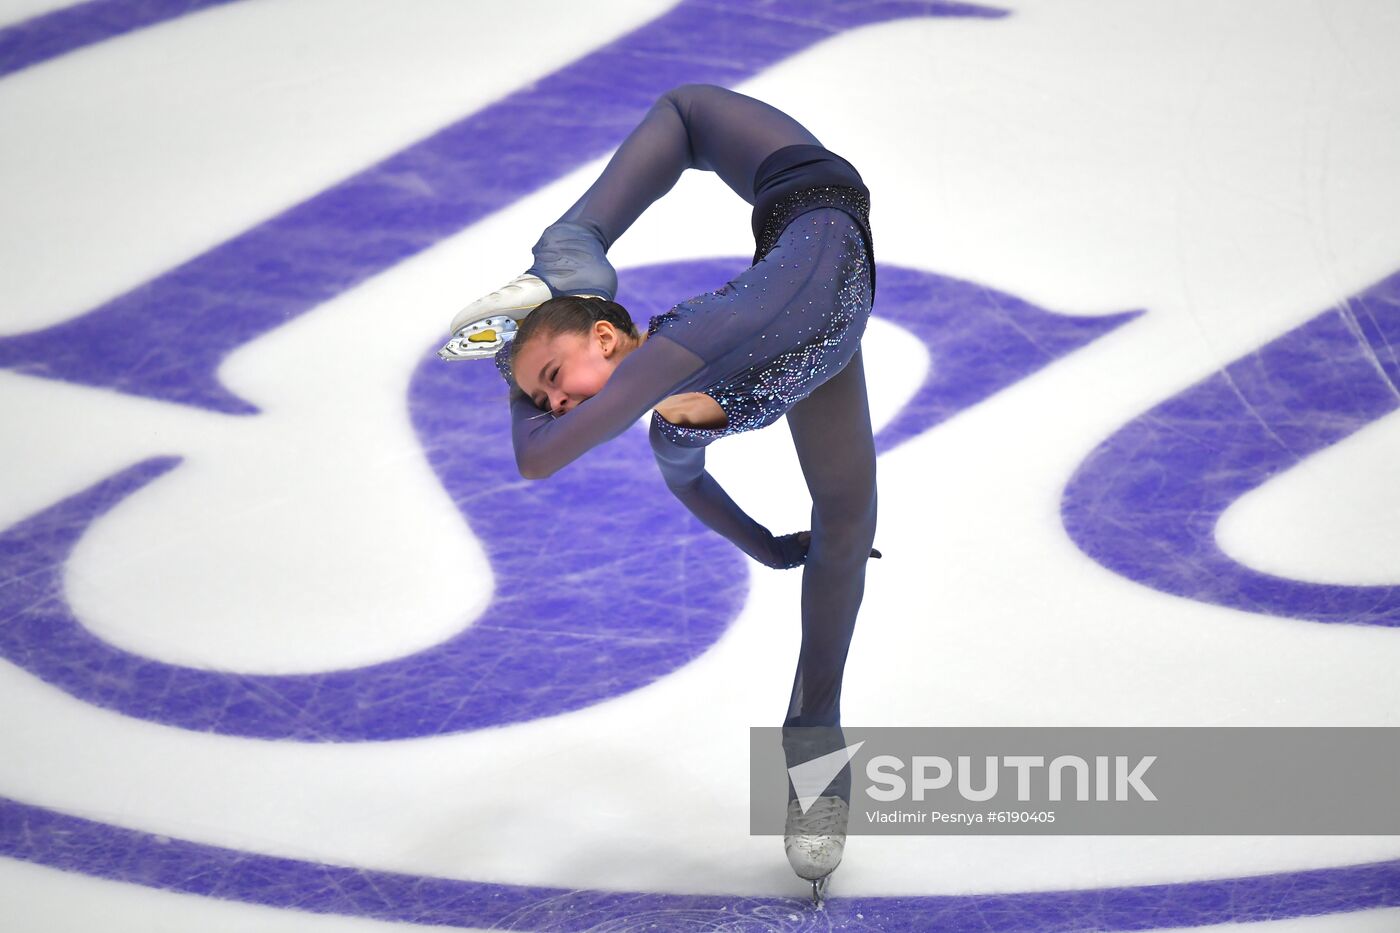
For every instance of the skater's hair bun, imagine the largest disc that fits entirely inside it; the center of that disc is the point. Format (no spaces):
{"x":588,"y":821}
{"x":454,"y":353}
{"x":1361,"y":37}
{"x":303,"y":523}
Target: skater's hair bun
{"x":567,"y":314}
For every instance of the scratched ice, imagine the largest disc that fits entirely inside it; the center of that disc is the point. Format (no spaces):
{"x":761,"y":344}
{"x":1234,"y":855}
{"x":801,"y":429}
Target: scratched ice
{"x":288,"y":644}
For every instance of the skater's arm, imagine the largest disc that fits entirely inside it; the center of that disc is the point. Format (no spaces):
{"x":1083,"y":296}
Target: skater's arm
{"x":544,"y":444}
{"x":683,"y":468}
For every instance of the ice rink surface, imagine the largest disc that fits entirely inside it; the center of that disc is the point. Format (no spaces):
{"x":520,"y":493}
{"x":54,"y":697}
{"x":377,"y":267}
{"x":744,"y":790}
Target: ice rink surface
{"x":287,"y":644}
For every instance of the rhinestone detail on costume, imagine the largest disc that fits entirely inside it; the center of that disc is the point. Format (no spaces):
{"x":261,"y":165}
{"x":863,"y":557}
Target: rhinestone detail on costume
{"x":502,"y":360}
{"x":757,"y":396}
{"x":788,"y":208}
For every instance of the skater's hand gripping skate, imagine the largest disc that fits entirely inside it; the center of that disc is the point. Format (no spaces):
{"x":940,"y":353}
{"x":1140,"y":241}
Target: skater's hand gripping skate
{"x":791,"y":550}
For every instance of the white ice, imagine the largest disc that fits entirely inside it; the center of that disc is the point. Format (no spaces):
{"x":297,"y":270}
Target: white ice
{"x":1228,"y":165}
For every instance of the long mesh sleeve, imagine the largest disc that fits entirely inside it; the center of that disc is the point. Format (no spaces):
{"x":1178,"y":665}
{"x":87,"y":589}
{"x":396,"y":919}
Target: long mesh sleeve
{"x":544,"y":444}
{"x":683,"y":469}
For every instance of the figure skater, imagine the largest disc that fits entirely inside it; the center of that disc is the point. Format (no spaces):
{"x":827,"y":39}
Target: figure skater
{"x":781,"y":338}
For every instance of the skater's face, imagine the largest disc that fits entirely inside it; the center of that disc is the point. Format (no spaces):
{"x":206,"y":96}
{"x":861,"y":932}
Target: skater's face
{"x":558,"y":371}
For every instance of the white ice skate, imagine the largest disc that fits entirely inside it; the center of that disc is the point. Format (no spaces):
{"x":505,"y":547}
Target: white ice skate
{"x":490,"y":322}
{"x":816,"y":840}
{"x":487,"y":324}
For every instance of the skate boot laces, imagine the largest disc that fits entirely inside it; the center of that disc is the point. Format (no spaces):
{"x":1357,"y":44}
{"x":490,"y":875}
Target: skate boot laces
{"x":826,"y":816}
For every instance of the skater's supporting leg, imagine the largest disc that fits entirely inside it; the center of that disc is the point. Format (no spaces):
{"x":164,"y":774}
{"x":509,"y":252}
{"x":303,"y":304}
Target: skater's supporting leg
{"x":831,"y":432}
{"x":700,"y":126}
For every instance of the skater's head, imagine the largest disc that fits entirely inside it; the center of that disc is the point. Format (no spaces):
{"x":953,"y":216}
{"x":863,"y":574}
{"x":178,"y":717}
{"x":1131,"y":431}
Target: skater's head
{"x":566,"y":349}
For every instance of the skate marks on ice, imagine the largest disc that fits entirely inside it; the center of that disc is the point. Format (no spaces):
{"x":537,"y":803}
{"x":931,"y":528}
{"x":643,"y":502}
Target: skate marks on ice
{"x":292,"y":264}
{"x":979,"y":340}
{"x":70,"y":843}
{"x":1146,"y":502}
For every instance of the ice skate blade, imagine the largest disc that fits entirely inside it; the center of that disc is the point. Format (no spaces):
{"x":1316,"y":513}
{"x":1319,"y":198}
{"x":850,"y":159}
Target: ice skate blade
{"x":819,"y":892}
{"x":479,"y":340}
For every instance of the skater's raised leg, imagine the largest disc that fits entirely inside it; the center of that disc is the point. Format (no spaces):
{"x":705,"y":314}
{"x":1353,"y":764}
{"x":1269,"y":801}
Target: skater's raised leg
{"x":701,"y":126}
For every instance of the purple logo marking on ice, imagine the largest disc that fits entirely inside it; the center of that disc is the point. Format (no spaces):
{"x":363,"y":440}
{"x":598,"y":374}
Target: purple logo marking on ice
{"x":1146,"y":501}
{"x":165,"y":340}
